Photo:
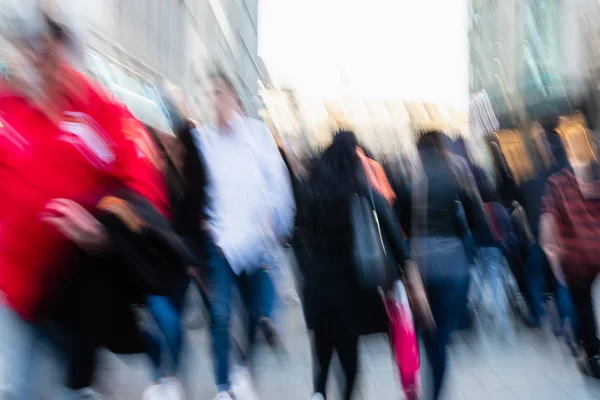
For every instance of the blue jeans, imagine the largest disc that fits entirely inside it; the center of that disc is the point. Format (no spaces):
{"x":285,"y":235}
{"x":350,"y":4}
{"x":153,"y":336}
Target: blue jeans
{"x":492,"y":271}
{"x":446,"y":299}
{"x":258,"y":295}
{"x":445,"y":271}
{"x":168,"y":319}
{"x":536,"y":273}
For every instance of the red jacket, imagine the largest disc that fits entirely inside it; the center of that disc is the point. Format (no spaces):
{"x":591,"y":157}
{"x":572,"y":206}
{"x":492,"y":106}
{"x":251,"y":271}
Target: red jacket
{"x":92,"y":149}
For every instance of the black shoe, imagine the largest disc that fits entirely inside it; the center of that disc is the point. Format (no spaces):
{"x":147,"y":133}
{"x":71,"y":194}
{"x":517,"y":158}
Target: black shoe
{"x":595,"y":366}
{"x":272,"y":338}
{"x":590,"y":367}
{"x":270,"y":333}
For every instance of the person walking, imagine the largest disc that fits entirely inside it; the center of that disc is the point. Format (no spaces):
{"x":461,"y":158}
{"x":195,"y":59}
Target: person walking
{"x":62,"y":144}
{"x":249,"y":212}
{"x":569,"y":233}
{"x":166,"y":311}
{"x":537,"y":272}
{"x":338,"y":310}
{"x":444,"y":181}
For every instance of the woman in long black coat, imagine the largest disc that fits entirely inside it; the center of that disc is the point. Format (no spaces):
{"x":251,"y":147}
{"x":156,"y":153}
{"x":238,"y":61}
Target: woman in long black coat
{"x":337,"y":309}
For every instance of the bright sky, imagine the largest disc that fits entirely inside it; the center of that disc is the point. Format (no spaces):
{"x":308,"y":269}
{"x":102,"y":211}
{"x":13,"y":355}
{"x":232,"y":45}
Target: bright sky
{"x":403,"y":49}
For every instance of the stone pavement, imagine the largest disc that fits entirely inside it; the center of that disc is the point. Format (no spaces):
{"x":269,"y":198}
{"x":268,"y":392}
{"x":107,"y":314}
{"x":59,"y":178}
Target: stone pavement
{"x":536,"y":366}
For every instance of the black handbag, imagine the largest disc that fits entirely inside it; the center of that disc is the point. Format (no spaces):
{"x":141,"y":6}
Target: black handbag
{"x":374,"y":269}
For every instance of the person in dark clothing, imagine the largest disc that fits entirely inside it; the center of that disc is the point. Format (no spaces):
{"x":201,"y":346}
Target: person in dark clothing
{"x":436,"y":240}
{"x":167,"y":311}
{"x":537,"y":273}
{"x":337,"y":309}
{"x":399,"y":178}
{"x":569,"y":233}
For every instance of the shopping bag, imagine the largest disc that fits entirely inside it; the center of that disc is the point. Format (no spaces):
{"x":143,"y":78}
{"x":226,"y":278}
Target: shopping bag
{"x":403,"y":339}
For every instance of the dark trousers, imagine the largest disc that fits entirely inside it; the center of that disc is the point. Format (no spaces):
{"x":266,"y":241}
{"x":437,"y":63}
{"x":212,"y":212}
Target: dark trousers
{"x":539,"y":278}
{"x":587,"y":331}
{"x":81,"y":363}
{"x":330,"y":336}
{"x":446,"y":299}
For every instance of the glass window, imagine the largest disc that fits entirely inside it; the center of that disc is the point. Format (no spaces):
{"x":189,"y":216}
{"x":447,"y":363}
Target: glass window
{"x":95,"y":67}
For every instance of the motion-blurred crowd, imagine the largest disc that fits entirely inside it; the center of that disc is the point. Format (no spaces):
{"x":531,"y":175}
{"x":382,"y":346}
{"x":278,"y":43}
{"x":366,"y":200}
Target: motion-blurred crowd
{"x":101,"y":217}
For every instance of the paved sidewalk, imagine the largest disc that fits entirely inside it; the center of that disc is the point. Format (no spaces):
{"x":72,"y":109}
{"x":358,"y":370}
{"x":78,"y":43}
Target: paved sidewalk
{"x":537,"y":367}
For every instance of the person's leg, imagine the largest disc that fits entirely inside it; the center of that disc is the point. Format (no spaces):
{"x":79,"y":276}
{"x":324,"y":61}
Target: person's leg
{"x":534,"y":280}
{"x":168,"y":319}
{"x":221,"y":279}
{"x":347,"y":350}
{"x":446,"y":301}
{"x":154,"y":351}
{"x":81,"y":363}
{"x":323,"y":351}
{"x":431,"y":339}
{"x":494,"y":264}
{"x":17,"y":356}
{"x":564,"y":305}
{"x":258,"y":294}
{"x":586,"y":317}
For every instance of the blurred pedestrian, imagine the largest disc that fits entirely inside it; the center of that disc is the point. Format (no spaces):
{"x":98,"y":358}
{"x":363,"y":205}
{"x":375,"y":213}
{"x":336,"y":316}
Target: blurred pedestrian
{"x":539,"y":279}
{"x":492,"y":263}
{"x":249,"y":212}
{"x":61,"y":151}
{"x":436,"y":241}
{"x":338,"y":310}
{"x":569,"y":235}
{"x":167,"y":311}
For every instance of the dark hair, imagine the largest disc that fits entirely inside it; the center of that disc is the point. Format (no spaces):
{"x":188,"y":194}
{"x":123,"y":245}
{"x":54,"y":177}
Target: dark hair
{"x":335,"y":173}
{"x":549,"y":118}
{"x":431,"y":140}
{"x":56,"y":30}
{"x":220,"y":75}
{"x":488,"y":190}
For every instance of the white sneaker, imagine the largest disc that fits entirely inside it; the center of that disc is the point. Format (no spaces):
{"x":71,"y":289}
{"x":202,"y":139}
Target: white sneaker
{"x":154,"y":392}
{"x":291,"y":297}
{"x":173,"y":389}
{"x":242,"y":385}
{"x":167,"y":389}
{"x":223,"y":396}
{"x":318,"y":396}
{"x":88,"y":394}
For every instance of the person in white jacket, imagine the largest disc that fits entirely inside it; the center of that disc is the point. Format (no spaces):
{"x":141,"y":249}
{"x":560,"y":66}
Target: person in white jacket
{"x":249,"y":213}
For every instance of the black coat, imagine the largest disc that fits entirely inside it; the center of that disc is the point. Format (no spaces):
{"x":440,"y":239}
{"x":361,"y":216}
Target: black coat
{"x":331,"y":291}
{"x":96,"y":299}
{"x":189,"y":207}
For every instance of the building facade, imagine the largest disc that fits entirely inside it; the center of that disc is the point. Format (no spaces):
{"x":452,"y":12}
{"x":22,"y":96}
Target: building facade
{"x":178,"y":41}
{"x":528,"y":52}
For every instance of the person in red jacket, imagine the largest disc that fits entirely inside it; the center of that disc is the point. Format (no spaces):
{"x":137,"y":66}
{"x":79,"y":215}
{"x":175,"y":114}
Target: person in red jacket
{"x":59,"y":152}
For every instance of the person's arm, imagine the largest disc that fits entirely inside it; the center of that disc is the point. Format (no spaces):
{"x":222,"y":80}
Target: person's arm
{"x":280,"y":194}
{"x":390,"y":227}
{"x":548,"y":234}
{"x":191,"y":210}
{"x":133,"y":168}
{"x":472,"y":203}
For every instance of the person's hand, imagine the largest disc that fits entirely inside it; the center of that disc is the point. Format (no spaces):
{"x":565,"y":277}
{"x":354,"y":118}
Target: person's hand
{"x":77,"y":224}
{"x":420,"y":306}
{"x":417,"y":296}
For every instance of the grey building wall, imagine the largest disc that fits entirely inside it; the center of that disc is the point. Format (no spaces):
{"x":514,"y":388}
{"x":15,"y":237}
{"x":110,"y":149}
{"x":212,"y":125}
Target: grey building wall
{"x":528,"y":52}
{"x":180,"y":41}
